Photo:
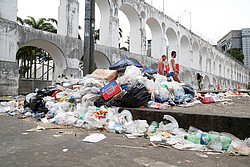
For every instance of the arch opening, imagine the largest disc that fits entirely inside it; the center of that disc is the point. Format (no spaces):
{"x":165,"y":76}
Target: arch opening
{"x":204,"y":59}
{"x":172,"y":41}
{"x":103,"y":32}
{"x":184,"y":52}
{"x":135,"y":33}
{"x":206,"y":83}
{"x":101,"y":61}
{"x":187,"y":77}
{"x":214,"y":84}
{"x":157,"y":40}
{"x":195,"y":57}
{"x":56,"y":54}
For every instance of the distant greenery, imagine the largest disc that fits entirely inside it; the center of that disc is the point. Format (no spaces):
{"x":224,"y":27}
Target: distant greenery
{"x":97,"y":38}
{"x":40,"y":24}
{"x":28,"y":56}
{"x":235,"y":52}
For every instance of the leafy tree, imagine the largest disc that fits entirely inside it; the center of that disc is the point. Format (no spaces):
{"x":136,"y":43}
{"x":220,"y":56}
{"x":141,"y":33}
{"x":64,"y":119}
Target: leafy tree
{"x":97,"y":35}
{"x":124,"y":48}
{"x":40,"y":24}
{"x":20,"y":20}
{"x":235,"y":52}
{"x":128,"y":42}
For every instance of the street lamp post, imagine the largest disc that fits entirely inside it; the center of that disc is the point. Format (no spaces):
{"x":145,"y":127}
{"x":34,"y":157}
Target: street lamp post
{"x":89,"y":36}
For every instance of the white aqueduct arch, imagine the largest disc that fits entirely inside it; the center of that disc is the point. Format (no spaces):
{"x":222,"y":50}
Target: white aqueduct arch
{"x":206,"y":83}
{"x":187,"y":77}
{"x":195,"y":56}
{"x":184,"y":55}
{"x":135,"y":33}
{"x":104,"y":7}
{"x":156,"y":42}
{"x":101,"y":61}
{"x":55,"y":53}
{"x":172,"y":41}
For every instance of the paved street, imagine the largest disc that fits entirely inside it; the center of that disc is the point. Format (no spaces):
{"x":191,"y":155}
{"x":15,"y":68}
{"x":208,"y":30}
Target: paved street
{"x":46,"y":148}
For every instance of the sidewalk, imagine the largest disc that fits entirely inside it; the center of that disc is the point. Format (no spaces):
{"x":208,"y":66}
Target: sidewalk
{"x":44,"y":149}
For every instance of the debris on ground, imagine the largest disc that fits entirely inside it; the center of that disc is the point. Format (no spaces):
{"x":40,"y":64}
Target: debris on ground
{"x":94,"y":101}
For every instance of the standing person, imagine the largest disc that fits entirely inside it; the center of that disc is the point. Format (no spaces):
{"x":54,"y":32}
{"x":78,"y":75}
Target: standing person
{"x":199,"y":78}
{"x":161,"y":65}
{"x":172,"y":72}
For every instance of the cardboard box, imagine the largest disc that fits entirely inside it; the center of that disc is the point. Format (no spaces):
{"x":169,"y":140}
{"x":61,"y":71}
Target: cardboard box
{"x":110,"y":90}
{"x":108,"y":75}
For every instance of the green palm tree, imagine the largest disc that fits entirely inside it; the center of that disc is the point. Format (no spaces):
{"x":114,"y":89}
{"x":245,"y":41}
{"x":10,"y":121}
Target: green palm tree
{"x":40,"y":24}
{"x":97,"y":35}
{"x":29,"y":55}
{"x":20,"y":20}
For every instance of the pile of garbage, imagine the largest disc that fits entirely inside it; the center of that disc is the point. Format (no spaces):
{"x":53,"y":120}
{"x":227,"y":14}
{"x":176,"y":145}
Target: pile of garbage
{"x":167,"y":133}
{"x":94,"y":102}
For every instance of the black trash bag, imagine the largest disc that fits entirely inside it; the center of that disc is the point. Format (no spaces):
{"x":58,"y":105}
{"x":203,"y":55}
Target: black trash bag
{"x":149,"y":75}
{"x":49,"y":90}
{"x":36,"y":104}
{"x":136,"y":96}
{"x":117,"y":103}
{"x":188,"y":89}
{"x":100,"y":102}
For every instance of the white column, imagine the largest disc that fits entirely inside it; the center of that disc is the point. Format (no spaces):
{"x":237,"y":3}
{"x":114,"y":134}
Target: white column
{"x":143,"y":41}
{"x":109,"y":31}
{"x":8,"y":9}
{"x":68,"y":18}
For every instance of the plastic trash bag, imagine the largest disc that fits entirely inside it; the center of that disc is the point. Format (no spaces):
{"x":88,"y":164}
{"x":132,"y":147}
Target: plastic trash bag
{"x":179,"y":93}
{"x":136,"y":96}
{"x":49,"y":90}
{"x":170,"y":126}
{"x":161,"y":106}
{"x":160,"y":78}
{"x":132,"y":71}
{"x":215,"y":144}
{"x":125,"y":116}
{"x":163,"y":95}
{"x":149,"y":75}
{"x":36,"y":104}
{"x":188,"y":89}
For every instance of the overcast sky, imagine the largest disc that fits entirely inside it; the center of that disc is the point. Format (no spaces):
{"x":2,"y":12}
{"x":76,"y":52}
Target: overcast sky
{"x":211,"y":19}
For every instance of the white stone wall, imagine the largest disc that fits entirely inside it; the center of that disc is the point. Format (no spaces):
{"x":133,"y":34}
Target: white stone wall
{"x":68,"y":18}
{"x":8,"y":9}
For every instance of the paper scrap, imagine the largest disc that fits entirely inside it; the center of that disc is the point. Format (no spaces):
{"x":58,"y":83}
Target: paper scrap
{"x":94,"y":138}
{"x":130,"y":136}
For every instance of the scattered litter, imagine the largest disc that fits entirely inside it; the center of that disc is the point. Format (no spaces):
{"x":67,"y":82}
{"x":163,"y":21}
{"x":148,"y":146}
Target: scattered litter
{"x":94,"y":138}
{"x":202,"y":155}
{"x":57,"y":135}
{"x":65,"y":150}
{"x":124,"y":146}
{"x":25,"y":133}
{"x":93,"y":101}
{"x":213,"y":153}
{"x":130,"y":136}
{"x":38,"y":128}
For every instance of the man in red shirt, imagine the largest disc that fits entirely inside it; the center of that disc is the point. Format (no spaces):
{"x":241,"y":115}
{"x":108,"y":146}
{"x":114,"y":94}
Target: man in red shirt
{"x":161,"y":65}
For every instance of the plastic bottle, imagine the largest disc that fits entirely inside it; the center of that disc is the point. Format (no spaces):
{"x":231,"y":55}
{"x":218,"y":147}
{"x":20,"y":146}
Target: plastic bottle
{"x":151,"y":129}
{"x":205,"y":138}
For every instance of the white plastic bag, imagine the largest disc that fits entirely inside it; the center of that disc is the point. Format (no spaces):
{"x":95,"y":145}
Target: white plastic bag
{"x":170,"y":126}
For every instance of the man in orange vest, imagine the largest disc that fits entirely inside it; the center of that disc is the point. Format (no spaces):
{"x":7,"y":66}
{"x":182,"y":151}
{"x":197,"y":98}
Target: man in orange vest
{"x":161,"y":65}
